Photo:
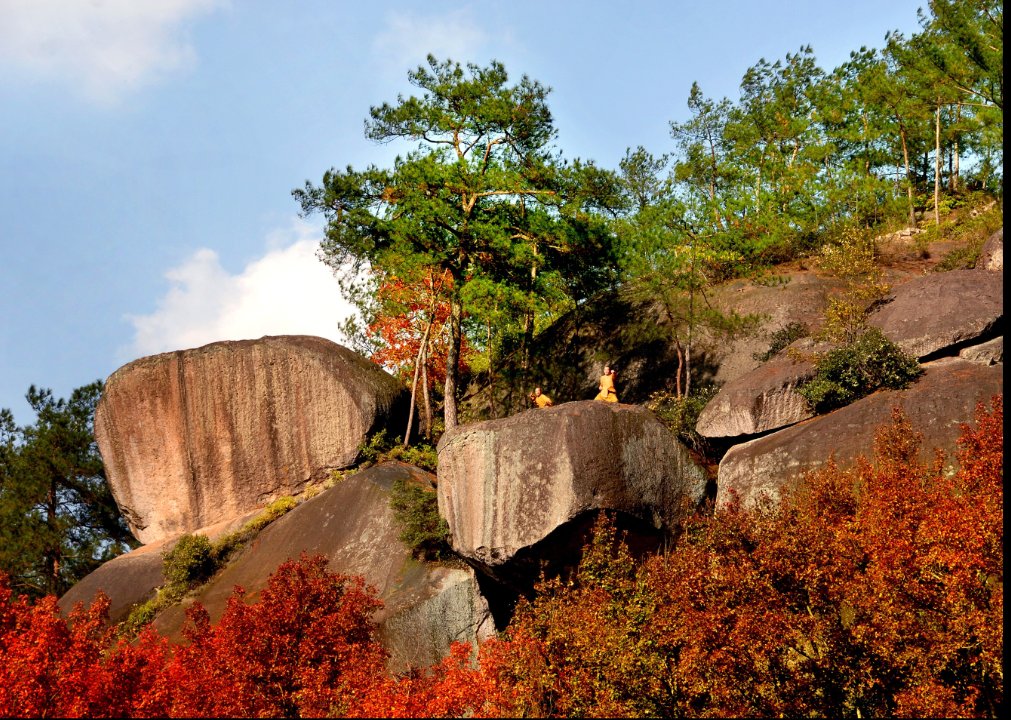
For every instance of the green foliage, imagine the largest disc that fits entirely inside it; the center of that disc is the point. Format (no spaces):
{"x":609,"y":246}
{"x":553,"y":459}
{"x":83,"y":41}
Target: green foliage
{"x":58,"y":519}
{"x":375,"y":447}
{"x":856,"y":369}
{"x":423,"y":530}
{"x":481,"y":195}
{"x":781,"y":338}
{"x":681,"y":413}
{"x":379,"y":448}
{"x":189,"y":561}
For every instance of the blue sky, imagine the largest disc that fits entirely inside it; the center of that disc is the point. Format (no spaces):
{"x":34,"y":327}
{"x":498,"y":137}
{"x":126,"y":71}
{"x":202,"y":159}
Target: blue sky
{"x":148,"y":148}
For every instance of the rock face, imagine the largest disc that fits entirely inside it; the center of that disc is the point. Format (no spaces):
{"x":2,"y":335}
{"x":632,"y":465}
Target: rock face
{"x":943,"y":310}
{"x":426,"y":605}
{"x":132,"y":578}
{"x":988,"y":353}
{"x":800,"y":298}
{"x":991,"y":256}
{"x":505,"y":485}
{"x":193,"y":437}
{"x":761,"y":400}
{"x":945,"y":396}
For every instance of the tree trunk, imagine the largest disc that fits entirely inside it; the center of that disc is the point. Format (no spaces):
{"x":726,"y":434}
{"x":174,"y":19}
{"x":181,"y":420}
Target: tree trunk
{"x":418,"y":362}
{"x":426,"y":395}
{"x":909,"y":175}
{"x":954,"y":151}
{"x":453,"y":358}
{"x":52,"y":555}
{"x":937,"y":164}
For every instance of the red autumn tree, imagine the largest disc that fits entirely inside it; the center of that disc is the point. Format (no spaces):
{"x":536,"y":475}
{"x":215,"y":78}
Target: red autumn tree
{"x":410,"y":325}
{"x":868,"y":592}
{"x":306,"y":648}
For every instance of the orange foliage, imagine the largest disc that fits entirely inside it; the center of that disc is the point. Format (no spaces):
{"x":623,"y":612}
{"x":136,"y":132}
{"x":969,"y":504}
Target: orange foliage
{"x":875,"y":591}
{"x":869,"y":592}
{"x":408,"y":307}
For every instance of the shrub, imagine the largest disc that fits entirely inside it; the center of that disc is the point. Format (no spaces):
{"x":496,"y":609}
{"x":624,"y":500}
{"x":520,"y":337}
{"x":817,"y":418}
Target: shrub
{"x":423,"y":530}
{"x":379,"y":448}
{"x":681,"y":413}
{"x":856,"y":369}
{"x":189,"y":561}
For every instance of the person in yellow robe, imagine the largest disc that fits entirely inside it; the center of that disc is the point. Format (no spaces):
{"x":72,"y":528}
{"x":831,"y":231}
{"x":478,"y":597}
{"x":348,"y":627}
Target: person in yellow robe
{"x":607,"y":392}
{"x":541,"y":400}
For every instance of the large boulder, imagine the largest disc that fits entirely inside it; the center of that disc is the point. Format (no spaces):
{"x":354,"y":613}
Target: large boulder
{"x":937,"y":403}
{"x":941,"y":312}
{"x":193,"y":437}
{"x":426,"y":606}
{"x":507,"y":485}
{"x":991,"y":255}
{"x":761,"y":400}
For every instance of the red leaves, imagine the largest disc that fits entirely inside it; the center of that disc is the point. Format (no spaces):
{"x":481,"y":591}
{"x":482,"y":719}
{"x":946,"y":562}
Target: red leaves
{"x":875,"y":591}
{"x":307,"y":648}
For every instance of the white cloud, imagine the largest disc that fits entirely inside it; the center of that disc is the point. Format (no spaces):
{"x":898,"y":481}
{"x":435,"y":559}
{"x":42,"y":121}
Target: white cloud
{"x":101,"y":48}
{"x":288,"y":291}
{"x":409,"y":38}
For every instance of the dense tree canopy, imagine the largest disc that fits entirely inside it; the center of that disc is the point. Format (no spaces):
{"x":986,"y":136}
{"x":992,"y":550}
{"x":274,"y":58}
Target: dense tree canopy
{"x":480,"y":196}
{"x":58,"y":520}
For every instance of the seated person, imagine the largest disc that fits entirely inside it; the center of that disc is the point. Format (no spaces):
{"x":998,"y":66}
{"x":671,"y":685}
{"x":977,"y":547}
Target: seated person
{"x":607,"y":392}
{"x":540,"y":399}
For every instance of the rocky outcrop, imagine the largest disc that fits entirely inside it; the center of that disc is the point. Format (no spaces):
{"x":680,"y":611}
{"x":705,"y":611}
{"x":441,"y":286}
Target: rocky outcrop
{"x":988,"y":353}
{"x":945,"y":396}
{"x":943,"y":311}
{"x":506,"y":485}
{"x":761,"y":400}
{"x":798,"y":297}
{"x":133,"y":578}
{"x":426,"y":605}
{"x":991,"y":256}
{"x":633,"y":337}
{"x":193,"y":437}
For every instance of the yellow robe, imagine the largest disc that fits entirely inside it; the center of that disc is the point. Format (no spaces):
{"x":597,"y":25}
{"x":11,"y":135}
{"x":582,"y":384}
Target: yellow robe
{"x":543,"y":401}
{"x":607,"y":392}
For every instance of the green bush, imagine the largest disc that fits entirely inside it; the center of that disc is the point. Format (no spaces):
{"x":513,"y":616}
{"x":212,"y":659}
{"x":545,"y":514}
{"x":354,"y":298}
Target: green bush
{"x":850,"y":372}
{"x":189,"y":561}
{"x":379,"y":448}
{"x":423,"y":530}
{"x":681,"y":413}
{"x":781,"y":338}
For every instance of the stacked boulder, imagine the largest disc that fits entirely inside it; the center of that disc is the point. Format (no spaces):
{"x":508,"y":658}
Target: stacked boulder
{"x":520,"y":492}
{"x":952,"y":322}
{"x":199,"y":441}
{"x":194,"y":437}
